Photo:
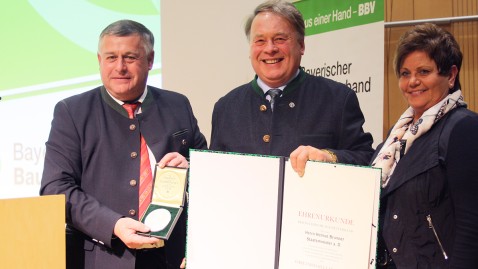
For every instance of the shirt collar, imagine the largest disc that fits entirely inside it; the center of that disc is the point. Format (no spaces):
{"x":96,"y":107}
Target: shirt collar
{"x":141,"y":98}
{"x":265,"y":87}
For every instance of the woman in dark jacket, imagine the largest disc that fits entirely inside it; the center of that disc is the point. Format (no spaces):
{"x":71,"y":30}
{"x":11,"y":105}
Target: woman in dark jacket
{"x":429,"y":162}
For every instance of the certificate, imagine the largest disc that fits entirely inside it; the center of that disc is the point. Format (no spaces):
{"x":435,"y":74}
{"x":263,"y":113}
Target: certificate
{"x":233,"y":211}
{"x":329,"y":217}
{"x":250,"y":211}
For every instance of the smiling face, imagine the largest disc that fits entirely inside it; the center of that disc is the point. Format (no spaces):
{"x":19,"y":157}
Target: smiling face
{"x":421,"y":84}
{"x":124,"y":65}
{"x":275,"y":51}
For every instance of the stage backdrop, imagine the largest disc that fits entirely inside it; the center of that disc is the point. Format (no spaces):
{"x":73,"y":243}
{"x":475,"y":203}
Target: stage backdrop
{"x":49,"y":53}
{"x":344,"y":42}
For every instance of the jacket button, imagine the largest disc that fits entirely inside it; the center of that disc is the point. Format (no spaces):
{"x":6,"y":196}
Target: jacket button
{"x":266,"y":138}
{"x":291,"y":105}
{"x":394,"y":250}
{"x":395,"y":216}
{"x":263,"y":108}
{"x":132,"y":212}
{"x":133,"y":155}
{"x":132,"y":183}
{"x":184,"y":142}
{"x":132,"y":127}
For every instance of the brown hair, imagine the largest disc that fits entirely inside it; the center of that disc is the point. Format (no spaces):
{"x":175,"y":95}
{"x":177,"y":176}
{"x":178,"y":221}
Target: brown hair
{"x":437,"y":43}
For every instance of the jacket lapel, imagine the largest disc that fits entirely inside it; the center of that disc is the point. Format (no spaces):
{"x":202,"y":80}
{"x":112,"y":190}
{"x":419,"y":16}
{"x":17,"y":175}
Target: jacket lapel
{"x":422,"y":156}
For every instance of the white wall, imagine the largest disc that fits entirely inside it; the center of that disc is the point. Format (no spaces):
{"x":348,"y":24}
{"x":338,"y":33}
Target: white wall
{"x":205,"y":52}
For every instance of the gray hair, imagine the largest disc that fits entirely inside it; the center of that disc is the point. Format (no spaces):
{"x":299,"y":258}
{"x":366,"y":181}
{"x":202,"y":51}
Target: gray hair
{"x":128,"y":28}
{"x":282,"y":8}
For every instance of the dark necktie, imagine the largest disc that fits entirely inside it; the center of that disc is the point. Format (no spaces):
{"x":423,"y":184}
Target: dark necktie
{"x":145,"y":174}
{"x":273,"y":93}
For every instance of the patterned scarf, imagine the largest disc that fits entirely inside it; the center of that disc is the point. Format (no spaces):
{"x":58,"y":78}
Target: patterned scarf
{"x":405,"y":132}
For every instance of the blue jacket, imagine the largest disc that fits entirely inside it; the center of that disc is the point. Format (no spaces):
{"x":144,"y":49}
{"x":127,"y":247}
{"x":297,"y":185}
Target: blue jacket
{"x":312,"y":111}
{"x":429,"y":210}
{"x":89,"y":159}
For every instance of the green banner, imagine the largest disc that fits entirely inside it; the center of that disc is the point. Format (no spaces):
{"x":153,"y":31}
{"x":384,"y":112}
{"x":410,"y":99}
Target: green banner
{"x":322,"y":16}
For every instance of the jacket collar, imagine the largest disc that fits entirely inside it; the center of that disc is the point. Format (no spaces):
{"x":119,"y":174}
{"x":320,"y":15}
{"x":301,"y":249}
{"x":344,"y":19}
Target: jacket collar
{"x":118,"y":108}
{"x":294,"y":84}
{"x":422,"y":156}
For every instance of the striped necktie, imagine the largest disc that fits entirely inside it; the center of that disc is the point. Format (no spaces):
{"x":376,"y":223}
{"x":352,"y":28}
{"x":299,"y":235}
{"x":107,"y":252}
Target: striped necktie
{"x":273,"y":93}
{"x":145,"y":178}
